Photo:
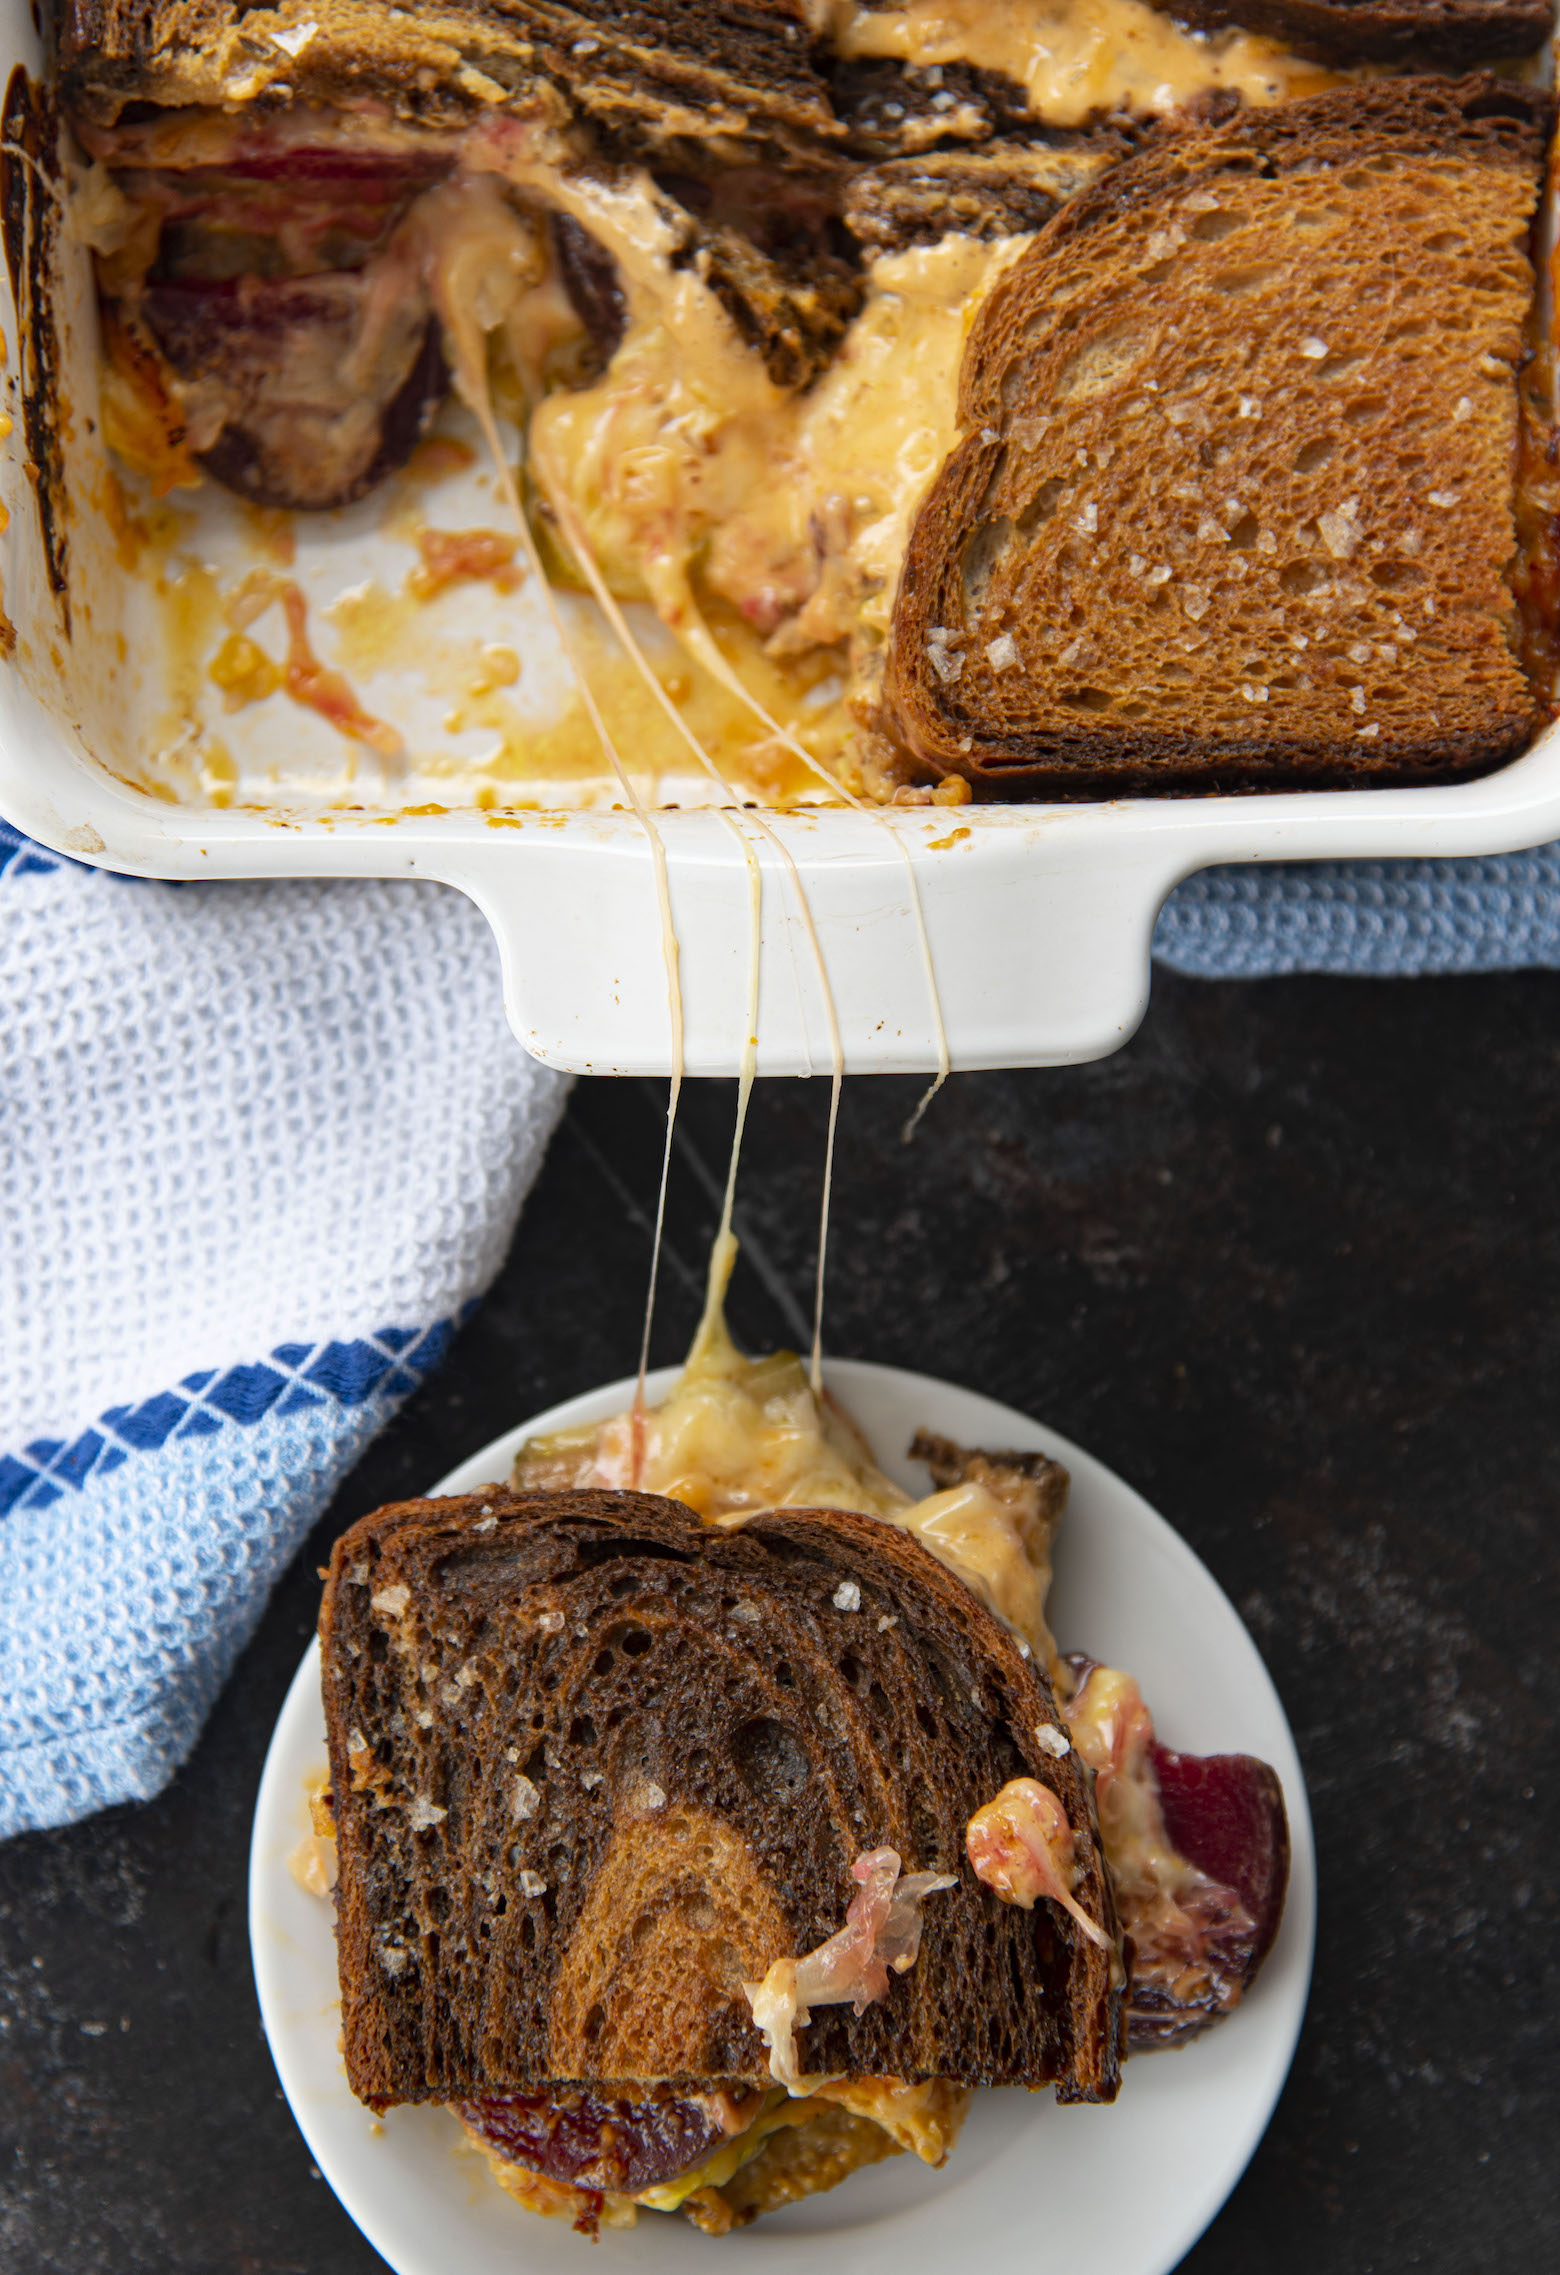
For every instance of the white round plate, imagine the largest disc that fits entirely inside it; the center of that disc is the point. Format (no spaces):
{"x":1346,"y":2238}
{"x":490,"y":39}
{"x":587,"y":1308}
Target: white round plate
{"x":1127,"y":2189}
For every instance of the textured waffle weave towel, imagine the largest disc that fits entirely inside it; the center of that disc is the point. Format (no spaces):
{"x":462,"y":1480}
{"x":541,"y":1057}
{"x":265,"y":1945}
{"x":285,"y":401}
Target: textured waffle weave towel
{"x":1375,"y":917}
{"x":260,"y":1146}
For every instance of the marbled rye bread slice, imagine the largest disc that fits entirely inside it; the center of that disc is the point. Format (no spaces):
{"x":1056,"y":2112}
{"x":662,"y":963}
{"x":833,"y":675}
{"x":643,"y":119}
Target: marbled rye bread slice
{"x":1003,"y":191}
{"x":1457,"y":33}
{"x":596,"y":1764}
{"x":725,"y":73}
{"x":1235,"y":503}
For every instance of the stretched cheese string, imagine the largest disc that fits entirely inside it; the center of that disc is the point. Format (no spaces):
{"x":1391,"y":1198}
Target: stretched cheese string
{"x":815,"y":1365}
{"x":674,"y":600}
{"x":696,"y":635}
{"x":638,"y":1424}
{"x":748,"y":1065}
{"x":723,"y":1253}
{"x":50,"y":189}
{"x":469,"y":341}
{"x":584,"y":553}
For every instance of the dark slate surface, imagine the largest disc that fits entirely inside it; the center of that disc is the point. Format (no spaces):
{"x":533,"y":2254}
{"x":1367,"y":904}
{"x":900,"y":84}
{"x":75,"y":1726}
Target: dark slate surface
{"x":1289,"y":1263}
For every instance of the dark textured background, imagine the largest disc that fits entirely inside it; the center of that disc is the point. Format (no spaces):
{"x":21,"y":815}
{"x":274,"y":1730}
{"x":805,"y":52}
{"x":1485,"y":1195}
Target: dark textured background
{"x":1288,"y":1263}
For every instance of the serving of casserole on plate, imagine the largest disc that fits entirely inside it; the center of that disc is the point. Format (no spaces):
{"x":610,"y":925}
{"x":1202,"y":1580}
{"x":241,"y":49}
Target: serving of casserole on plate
{"x":1186,"y":2121}
{"x":969,"y":465}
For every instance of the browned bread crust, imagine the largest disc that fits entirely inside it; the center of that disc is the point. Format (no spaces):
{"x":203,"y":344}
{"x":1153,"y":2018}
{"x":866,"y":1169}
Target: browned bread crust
{"x":767,"y":241}
{"x":1003,"y":190}
{"x":890,"y":109}
{"x":1455,"y":33}
{"x":661,"y":71}
{"x":1235,"y":501}
{"x":951,"y":1464}
{"x":596,"y":1764}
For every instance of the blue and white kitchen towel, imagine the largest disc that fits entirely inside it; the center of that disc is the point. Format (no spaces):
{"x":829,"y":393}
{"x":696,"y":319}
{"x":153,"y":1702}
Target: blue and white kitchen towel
{"x":1380,"y":919}
{"x":260,"y":1147}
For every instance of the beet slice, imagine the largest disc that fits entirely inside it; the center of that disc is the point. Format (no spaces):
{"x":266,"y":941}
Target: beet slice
{"x":1225,"y":1813}
{"x":401,"y":172}
{"x":305,"y":426}
{"x":600,"y":2140}
{"x":284,"y":296}
{"x":1194,"y":1945}
{"x":241,"y":460}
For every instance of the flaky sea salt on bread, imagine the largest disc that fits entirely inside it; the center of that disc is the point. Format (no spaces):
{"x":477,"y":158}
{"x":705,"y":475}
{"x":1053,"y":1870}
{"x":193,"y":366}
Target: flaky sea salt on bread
{"x":597,"y":1765}
{"x":1236,"y":500}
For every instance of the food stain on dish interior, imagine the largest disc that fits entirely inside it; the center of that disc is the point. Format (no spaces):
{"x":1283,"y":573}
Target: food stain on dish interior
{"x":443,"y":679}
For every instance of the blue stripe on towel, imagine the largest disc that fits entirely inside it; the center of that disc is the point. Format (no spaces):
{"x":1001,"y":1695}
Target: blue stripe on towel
{"x":169,"y":1521}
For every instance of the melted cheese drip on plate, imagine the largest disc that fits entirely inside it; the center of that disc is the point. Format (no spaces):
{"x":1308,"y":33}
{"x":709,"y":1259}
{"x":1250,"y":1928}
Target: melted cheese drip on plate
{"x":1113,"y":1731}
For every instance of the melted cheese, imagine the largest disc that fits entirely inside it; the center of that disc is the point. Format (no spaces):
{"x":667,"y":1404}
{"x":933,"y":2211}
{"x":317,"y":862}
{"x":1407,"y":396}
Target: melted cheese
{"x":733,"y":1436}
{"x":801,"y":504}
{"x":859,"y":450}
{"x":313,"y":1862}
{"x":1113,"y":1731}
{"x":969,"y":1529}
{"x":925,"y":2118}
{"x":724,"y":2163}
{"x":1075,"y":57}
{"x":736,"y":1435}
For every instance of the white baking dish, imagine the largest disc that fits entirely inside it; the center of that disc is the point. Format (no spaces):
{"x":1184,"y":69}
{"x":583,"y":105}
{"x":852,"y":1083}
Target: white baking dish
{"x":1039,"y":918}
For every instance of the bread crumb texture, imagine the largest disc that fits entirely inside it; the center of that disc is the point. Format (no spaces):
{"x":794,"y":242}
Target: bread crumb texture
{"x":571,"y":1869}
{"x":1237,"y":500}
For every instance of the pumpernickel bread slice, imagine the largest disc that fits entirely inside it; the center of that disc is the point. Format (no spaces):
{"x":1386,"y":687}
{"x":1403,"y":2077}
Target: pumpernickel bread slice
{"x":596,"y":1764}
{"x":1448,"y":32}
{"x":1236,"y":500}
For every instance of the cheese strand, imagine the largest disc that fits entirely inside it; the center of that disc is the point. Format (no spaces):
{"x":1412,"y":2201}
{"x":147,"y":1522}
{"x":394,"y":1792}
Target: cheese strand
{"x":590,"y":568}
{"x":815,"y":1369}
{"x":748,"y":1065}
{"x":470,"y":360}
{"x":692,"y":629}
{"x":723,"y":1253}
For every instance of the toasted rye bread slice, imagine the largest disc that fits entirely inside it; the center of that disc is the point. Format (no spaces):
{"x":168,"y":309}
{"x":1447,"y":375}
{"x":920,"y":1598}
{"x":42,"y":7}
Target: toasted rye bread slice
{"x":1235,"y":503}
{"x":1457,"y":33}
{"x":595,"y":1764}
